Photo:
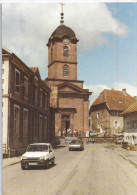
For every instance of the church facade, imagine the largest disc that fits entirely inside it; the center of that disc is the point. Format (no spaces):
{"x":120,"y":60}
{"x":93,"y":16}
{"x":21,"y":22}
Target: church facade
{"x":68,"y":98}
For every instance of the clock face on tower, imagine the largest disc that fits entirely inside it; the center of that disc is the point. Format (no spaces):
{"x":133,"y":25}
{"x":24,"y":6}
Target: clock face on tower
{"x":66,"y":41}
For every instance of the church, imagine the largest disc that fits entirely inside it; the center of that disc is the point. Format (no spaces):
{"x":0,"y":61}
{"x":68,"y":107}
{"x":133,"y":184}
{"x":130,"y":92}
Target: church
{"x":68,"y":98}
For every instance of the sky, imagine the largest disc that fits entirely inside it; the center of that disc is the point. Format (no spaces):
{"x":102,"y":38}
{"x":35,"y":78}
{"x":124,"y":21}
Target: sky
{"x":107,"y":33}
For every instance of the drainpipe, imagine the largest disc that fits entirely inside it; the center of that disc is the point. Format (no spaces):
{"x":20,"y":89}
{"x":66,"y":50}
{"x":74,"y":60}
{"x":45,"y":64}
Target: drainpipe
{"x":9,"y":93}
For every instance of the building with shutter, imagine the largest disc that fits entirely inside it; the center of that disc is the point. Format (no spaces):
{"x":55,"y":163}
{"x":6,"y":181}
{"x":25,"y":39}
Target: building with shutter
{"x":25,"y":105}
{"x":130,"y":124}
{"x":105,"y":112}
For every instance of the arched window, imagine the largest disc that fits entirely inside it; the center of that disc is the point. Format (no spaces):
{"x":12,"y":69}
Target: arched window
{"x":66,"y":70}
{"x":66,"y":51}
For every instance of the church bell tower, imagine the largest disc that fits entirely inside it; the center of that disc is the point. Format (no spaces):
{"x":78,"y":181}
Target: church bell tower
{"x":68,"y":99}
{"x":62,"y":53}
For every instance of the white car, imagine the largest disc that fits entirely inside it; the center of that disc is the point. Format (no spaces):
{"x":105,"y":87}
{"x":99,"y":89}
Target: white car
{"x":38,"y":154}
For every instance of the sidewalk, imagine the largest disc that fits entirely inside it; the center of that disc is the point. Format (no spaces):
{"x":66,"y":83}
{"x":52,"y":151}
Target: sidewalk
{"x":10,"y":161}
{"x":127,"y":154}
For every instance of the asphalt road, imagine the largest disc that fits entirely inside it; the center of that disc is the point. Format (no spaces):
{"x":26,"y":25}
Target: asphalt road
{"x":98,"y":170}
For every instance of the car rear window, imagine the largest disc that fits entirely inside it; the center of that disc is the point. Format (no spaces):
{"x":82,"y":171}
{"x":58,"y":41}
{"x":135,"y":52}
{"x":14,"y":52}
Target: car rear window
{"x":36,"y":148}
{"x":76,"y":141}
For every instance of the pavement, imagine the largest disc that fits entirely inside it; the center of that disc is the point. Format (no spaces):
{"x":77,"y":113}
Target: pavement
{"x":128,"y":155}
{"x":11,"y":161}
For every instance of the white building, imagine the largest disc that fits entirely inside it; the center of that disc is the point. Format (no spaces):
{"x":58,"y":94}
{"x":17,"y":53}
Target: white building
{"x":130,"y":124}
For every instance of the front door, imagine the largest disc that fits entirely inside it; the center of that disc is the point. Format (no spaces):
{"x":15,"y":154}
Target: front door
{"x":65,"y":122}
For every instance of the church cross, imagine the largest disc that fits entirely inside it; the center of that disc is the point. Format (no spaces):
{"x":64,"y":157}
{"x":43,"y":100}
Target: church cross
{"x":62,"y":21}
{"x":62,"y":6}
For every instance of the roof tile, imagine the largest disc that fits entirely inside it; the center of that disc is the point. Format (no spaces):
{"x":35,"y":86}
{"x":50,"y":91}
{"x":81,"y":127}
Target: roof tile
{"x":116,"y":100}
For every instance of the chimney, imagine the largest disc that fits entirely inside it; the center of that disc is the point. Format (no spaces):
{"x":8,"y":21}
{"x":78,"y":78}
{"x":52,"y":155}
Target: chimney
{"x":124,"y":91}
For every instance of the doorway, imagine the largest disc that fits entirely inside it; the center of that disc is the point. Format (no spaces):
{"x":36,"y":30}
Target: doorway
{"x":65,"y":122}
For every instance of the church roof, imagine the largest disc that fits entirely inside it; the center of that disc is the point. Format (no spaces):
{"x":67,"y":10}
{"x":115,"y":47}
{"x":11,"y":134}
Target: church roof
{"x":73,"y":87}
{"x":116,"y":100}
{"x":63,"y":30}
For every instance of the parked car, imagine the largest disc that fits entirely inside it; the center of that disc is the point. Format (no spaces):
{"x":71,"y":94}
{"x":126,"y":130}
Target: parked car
{"x":69,"y":139}
{"x":76,"y":144}
{"x":38,"y":154}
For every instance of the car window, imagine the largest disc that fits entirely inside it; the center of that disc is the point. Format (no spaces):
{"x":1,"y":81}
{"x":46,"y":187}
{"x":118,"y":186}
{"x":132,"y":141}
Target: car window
{"x":37,"y":148}
{"x":76,"y":141}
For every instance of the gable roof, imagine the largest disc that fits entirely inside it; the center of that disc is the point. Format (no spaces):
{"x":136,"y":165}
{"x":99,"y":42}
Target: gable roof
{"x":73,"y":88}
{"x":116,"y":100}
{"x":130,"y":109}
{"x":33,"y":69}
{"x":36,"y":71}
{"x":6,"y":51}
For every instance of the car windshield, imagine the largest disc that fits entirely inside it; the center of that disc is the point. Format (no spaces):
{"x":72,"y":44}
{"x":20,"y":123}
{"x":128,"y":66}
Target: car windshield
{"x":36,"y":148}
{"x":76,"y":142}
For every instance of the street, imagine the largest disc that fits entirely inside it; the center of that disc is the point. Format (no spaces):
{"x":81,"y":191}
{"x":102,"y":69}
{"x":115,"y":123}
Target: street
{"x":97,"y":170}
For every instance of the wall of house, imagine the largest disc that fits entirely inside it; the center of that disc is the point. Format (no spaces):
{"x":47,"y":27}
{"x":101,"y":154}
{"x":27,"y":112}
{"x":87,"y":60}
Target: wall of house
{"x":100,"y":119}
{"x":116,"y":124}
{"x":5,"y":103}
{"x":78,"y":120}
{"x":24,"y":122}
{"x":130,"y":122}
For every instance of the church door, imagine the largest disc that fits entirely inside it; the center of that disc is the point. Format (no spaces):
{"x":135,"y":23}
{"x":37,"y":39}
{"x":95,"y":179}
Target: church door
{"x":65,"y":122}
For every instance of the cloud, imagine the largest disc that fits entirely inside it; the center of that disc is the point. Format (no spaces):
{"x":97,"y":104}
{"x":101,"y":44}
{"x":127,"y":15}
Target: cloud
{"x":27,"y":27}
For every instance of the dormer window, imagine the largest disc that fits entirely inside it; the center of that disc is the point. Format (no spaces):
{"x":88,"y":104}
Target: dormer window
{"x":66,"y":70}
{"x":66,"y":51}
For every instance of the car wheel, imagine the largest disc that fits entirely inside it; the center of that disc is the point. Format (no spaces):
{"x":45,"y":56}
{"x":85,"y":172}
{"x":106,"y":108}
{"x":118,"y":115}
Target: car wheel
{"x":47,"y":165}
{"x":22,"y":167}
{"x":53,"y":162}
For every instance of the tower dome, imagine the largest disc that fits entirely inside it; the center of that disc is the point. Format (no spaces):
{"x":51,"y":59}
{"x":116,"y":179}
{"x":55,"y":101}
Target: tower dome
{"x":61,"y":32}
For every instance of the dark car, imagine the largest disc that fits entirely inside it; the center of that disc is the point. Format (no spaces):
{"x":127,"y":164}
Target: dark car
{"x":76,"y":144}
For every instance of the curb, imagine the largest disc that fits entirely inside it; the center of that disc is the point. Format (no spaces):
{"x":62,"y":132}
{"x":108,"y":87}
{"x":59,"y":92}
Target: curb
{"x":10,"y":164}
{"x":132,"y":161}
